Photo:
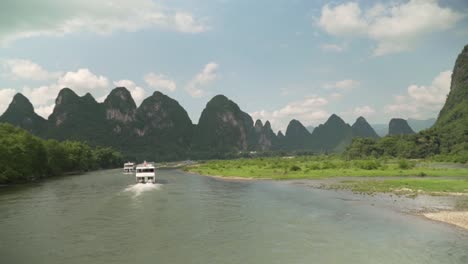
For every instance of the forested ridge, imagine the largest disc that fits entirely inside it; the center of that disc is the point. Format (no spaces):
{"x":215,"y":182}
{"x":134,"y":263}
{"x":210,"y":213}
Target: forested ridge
{"x":447,"y":140}
{"x":26,"y":158}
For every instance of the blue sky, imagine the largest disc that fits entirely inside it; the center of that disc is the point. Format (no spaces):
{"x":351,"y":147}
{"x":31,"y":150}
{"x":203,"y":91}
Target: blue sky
{"x":278,"y":60}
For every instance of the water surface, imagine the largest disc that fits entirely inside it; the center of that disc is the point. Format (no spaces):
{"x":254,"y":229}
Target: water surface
{"x":103,"y":217}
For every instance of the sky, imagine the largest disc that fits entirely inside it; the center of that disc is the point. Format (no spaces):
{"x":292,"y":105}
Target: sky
{"x":277,"y":59}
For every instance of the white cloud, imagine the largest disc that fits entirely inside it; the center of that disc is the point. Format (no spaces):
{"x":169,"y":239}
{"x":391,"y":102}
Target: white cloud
{"x":336,"y":96}
{"x":57,"y":18}
{"x":83,"y":81}
{"x":309,"y":111}
{"x":205,"y":77}
{"x":364,"y":111}
{"x":344,"y":19}
{"x":45,"y":110}
{"x":422,"y":101}
{"x":159,"y":81}
{"x":395,"y":27}
{"x":186,"y":23}
{"x":41,"y":95}
{"x":330,"y":47}
{"x":25,"y":69}
{"x":137,"y":92}
{"x":344,"y":85}
{"x":6,"y":95}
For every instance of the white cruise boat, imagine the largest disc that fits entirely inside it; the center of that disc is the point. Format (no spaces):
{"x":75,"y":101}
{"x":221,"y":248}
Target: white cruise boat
{"x":129,"y":167}
{"x":145,"y":173}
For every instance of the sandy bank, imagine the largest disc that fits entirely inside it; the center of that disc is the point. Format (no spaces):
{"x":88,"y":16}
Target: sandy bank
{"x":234,"y":178}
{"x":455,"y":218}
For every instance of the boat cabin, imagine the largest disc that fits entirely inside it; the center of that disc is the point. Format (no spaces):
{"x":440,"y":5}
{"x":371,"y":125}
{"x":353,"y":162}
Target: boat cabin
{"x":146,"y":173}
{"x":129,"y":167}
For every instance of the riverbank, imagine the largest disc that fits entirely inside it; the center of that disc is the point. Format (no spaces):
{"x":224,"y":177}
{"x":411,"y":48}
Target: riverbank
{"x":448,"y":208}
{"x":408,"y":180}
{"x":364,"y":176}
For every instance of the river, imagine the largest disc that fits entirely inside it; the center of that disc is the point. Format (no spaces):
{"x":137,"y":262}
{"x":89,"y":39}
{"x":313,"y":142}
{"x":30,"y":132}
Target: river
{"x":103,"y":217}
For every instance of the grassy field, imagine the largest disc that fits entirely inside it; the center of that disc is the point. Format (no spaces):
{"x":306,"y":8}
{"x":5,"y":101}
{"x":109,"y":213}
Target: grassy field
{"x":403,"y":175}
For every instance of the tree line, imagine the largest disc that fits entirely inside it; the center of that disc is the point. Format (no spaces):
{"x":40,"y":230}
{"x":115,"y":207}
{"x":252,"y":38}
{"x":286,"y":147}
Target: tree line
{"x":25,"y":158}
{"x":440,"y":146}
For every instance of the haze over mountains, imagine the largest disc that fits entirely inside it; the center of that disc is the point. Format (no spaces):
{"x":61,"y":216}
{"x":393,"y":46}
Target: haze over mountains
{"x":415,"y":124}
{"x":161,"y":129}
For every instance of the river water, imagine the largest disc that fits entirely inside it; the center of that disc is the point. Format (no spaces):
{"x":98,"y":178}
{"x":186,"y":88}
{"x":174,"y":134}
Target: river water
{"x":103,"y":217}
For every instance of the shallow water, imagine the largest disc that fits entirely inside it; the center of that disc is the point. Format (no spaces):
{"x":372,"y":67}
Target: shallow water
{"x":103,"y":217}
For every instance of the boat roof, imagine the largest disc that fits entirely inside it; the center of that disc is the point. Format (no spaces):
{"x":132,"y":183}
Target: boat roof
{"x":146,"y":165}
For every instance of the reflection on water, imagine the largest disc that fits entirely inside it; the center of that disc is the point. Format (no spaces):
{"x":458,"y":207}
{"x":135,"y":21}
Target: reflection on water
{"x":140,"y":188}
{"x":95,"y":218}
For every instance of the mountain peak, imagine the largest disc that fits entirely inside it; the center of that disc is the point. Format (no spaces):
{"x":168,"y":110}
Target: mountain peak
{"x":120,"y":105}
{"x":455,"y":106}
{"x":361,"y":120}
{"x":120,"y":97}
{"x":297,"y":136}
{"x":158,"y":94}
{"x":399,"y":126}
{"x":219,"y":97}
{"x":280,"y":134}
{"x":333,"y":135}
{"x":335,"y":119}
{"x":361,"y":128}
{"x":66,"y":95}
{"x":21,"y":113}
{"x":21,"y":102}
{"x":258,"y":125}
{"x":88,"y":97}
{"x":294,"y":127}
{"x":223,"y":126}
{"x":160,"y":115}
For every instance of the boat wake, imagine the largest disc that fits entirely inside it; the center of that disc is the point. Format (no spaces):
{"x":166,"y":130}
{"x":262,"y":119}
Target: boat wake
{"x":139,"y":188}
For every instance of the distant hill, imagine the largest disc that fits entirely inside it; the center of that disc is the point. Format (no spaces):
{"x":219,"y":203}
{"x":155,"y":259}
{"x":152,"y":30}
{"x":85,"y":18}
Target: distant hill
{"x":362,"y":129}
{"x":223,"y":127}
{"x":332,"y":136}
{"x":380,"y":129}
{"x":418,"y":125}
{"x":21,"y":113}
{"x":297,"y":136}
{"x":78,"y":118}
{"x":265,"y":138}
{"x":398,"y":126}
{"x":160,"y":128}
{"x":447,"y":139}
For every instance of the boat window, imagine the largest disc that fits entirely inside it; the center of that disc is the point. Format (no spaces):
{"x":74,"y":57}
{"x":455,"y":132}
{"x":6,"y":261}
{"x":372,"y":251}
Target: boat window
{"x":146,"y":170}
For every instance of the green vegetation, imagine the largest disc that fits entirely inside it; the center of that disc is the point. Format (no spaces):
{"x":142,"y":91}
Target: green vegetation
{"x":24,"y":157}
{"x":319,"y":167}
{"x":407,"y":186}
{"x":401,"y":176}
{"x":427,"y":144}
{"x":447,"y":140}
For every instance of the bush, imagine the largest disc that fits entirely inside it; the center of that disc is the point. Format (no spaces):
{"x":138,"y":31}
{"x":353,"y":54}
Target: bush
{"x":368,"y":164}
{"x":328,"y":165}
{"x":405,"y":164}
{"x":295,"y":168}
{"x":313,"y":166}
